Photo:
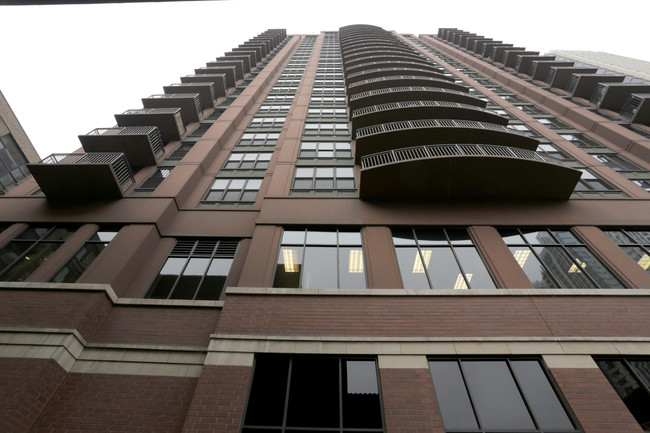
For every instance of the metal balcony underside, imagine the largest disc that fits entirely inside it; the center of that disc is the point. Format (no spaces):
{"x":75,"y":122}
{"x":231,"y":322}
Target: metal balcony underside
{"x":141,"y":145}
{"x":83,"y":176}
{"x":401,"y":81}
{"x":397,"y":135}
{"x":460,"y":172}
{"x":386,"y":72}
{"x":411,"y":93}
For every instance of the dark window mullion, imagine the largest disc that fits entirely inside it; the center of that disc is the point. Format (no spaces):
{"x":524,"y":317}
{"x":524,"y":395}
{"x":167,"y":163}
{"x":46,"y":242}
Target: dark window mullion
{"x":458,"y":263}
{"x":180,"y":275}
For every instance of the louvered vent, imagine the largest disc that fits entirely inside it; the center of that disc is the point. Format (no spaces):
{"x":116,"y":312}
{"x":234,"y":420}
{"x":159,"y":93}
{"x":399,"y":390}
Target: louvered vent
{"x":551,"y":75}
{"x":573,"y":83}
{"x":205,"y":248}
{"x":598,"y":94}
{"x":631,"y":105}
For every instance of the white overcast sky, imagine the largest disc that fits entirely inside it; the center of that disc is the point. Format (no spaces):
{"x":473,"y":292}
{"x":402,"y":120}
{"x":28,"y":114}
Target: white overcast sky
{"x":67,"y":69}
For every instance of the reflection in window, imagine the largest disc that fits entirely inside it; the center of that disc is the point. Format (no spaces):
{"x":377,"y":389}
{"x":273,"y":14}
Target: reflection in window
{"x":557,"y":259}
{"x":152,"y":182}
{"x":233,"y":191}
{"x":308,"y":393}
{"x":477,"y":395}
{"x":635,"y":243}
{"x":195,"y":269}
{"x":440,"y":259}
{"x":590,"y":182}
{"x":616,"y":162}
{"x":85,"y":256}
{"x":27,"y":251}
{"x":320,"y":259}
{"x":631,"y":380}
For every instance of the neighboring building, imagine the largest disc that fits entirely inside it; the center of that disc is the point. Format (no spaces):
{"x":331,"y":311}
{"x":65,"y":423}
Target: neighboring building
{"x":15,"y":149}
{"x":625,"y":65}
{"x":354,"y":231}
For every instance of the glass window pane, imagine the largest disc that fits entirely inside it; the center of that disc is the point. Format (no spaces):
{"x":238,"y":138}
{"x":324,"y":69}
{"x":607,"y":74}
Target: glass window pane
{"x":293,"y":237}
{"x":592,"y":266}
{"x":510,"y":236}
{"x":349,"y":238}
{"x":411,"y":268}
{"x":455,"y":407}
{"x":11,"y":252}
{"x":319,"y":271}
{"x":539,"y":277}
{"x":642,"y":370}
{"x":539,"y":237}
{"x":497,"y":400}
{"x":351,"y":268}
{"x":443,"y":269}
{"x":403,"y":237}
{"x":628,"y":388}
{"x":431,"y":237}
{"x":474,"y":268}
{"x":79,"y":263}
{"x":361,"y":405}
{"x":315,"y":237}
{"x":569,"y":273}
{"x":618,"y":236}
{"x":542,"y":400}
{"x":268,"y":391}
{"x":314,"y":393}
{"x":459,"y":237}
{"x":30,"y":261}
{"x":289,"y":267}
{"x":642,"y":237}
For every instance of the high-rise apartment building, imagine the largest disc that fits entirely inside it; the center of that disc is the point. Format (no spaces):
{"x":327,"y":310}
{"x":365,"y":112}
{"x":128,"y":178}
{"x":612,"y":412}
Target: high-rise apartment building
{"x":354,"y":231}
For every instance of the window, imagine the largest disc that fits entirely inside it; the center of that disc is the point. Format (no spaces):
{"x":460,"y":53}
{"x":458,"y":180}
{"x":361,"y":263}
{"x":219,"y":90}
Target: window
{"x":259,"y":139}
{"x":557,"y":259}
{"x":319,"y":259}
{"x":326,"y":129}
{"x":325,"y":150}
{"x":631,"y":379}
{"x":85,"y":256}
{"x":13,"y":163}
{"x":200,"y":130}
{"x":531,"y":109}
{"x":267,"y":122}
{"x":489,"y":395}
{"x":635,"y":243}
{"x":589,"y":182}
{"x":273,"y":109}
{"x":279,"y":99}
{"x":233,"y":191}
{"x":550,"y":150}
{"x":553,"y":123}
{"x":180,"y":151}
{"x":523,"y":129}
{"x":582,"y":141}
{"x":195,"y":269}
{"x":152,"y":182}
{"x":616,"y":162}
{"x":248,"y":161}
{"x":327,"y":100}
{"x":310,"y":393}
{"x":324,"y":178}
{"x":27,"y":251}
{"x":327,"y":112}
{"x":440,"y":259}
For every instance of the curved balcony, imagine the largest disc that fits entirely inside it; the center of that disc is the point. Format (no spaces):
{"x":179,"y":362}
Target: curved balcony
{"x":388,"y":57}
{"x":425,"y":64}
{"x":413,"y":110}
{"x":373,"y":51}
{"x":401,"y":81}
{"x":363,"y":46}
{"x":397,"y":135}
{"x":386,"y":72}
{"x":469,"y":171}
{"x":411,"y":93}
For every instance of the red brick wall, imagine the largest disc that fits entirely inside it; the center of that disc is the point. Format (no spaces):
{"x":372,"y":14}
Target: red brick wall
{"x":594,"y":401}
{"x":219,"y":400}
{"x":102,"y":403}
{"x":158,"y":325}
{"x":26,"y":385}
{"x":83,"y":311}
{"x":436,"y":316}
{"x":410,"y":404}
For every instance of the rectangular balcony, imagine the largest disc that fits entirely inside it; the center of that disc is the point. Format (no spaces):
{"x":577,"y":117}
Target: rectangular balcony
{"x":229,"y":71}
{"x":206,"y":91}
{"x":83,"y":176}
{"x":613,"y":96}
{"x":189,"y":103}
{"x":236,"y":61}
{"x":219,"y":81}
{"x":168,"y":120}
{"x":141,"y":145}
{"x":637,"y":108}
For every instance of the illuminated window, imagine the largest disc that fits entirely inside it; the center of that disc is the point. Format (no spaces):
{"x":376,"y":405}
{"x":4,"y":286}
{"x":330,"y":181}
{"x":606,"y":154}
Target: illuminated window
{"x":557,"y":259}
{"x":635,"y":243}
{"x":320,"y":259}
{"x":440,"y":259}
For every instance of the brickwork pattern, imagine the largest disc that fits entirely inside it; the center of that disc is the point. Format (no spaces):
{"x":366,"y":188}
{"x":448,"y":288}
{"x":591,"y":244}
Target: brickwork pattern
{"x":594,"y":401}
{"x":219,"y":400}
{"x":101,"y":403}
{"x":26,"y":385}
{"x":436,"y":316}
{"x":158,"y":325}
{"x":410,"y":404}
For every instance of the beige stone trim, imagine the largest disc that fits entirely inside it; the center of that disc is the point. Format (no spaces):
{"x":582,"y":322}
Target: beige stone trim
{"x":402,"y":361}
{"x":569,"y":361}
{"x":435,"y":293}
{"x":68,"y":349}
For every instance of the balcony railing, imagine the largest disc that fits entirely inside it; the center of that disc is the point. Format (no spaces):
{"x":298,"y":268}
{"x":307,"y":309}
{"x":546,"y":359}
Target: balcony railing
{"x":431,"y":123}
{"x":443,"y":150}
{"x":140,"y":144}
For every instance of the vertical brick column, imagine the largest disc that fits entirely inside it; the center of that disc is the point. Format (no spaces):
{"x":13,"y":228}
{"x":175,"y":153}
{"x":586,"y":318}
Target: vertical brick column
{"x":26,"y":385}
{"x":410,"y":404}
{"x":219,"y":400}
{"x":594,"y":402}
